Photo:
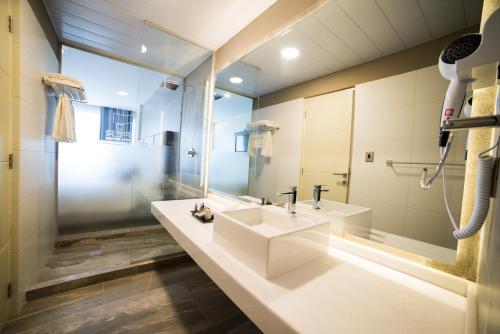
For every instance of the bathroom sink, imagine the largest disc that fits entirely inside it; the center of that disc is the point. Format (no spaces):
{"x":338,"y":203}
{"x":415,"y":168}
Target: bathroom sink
{"x":269,"y":240}
{"x":354,"y":219}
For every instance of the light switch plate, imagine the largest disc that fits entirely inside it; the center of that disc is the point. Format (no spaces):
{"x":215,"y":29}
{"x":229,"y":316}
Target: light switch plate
{"x":369,"y":156}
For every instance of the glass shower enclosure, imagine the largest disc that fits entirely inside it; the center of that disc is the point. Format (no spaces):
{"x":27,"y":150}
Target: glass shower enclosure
{"x":131,"y":145}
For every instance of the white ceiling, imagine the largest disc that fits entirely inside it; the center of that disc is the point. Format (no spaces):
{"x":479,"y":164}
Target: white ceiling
{"x":117,"y":26}
{"x":344,"y":33}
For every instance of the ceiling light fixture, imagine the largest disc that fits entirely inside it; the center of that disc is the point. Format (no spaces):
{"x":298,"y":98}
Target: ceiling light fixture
{"x":290,"y":53}
{"x":144,"y":49}
{"x":236,"y":80}
{"x":122,"y":93}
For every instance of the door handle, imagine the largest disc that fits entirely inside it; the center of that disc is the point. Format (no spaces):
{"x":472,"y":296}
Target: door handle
{"x":191,"y":152}
{"x":345,"y":177}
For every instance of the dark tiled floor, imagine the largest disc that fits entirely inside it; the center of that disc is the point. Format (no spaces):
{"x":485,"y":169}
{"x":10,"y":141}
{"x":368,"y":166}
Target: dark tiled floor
{"x":178,"y":299}
{"x":108,"y":252}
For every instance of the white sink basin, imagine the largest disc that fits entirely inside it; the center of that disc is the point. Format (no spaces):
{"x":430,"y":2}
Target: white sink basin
{"x":269,"y":240}
{"x":355,"y":219}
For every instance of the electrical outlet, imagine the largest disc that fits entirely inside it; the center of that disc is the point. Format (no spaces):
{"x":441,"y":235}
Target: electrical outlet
{"x":369,"y":156}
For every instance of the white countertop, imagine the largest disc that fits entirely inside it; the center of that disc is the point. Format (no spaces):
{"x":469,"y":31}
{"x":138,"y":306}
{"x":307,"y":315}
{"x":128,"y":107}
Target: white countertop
{"x":339,"y":293}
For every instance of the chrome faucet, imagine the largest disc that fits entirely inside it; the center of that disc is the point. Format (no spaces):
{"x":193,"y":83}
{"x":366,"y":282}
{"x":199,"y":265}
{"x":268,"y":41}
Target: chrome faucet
{"x":292,"y":198}
{"x":317,"y":195}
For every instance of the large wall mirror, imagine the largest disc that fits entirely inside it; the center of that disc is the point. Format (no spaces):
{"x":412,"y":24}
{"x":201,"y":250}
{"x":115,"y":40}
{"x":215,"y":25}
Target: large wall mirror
{"x":333,"y":101}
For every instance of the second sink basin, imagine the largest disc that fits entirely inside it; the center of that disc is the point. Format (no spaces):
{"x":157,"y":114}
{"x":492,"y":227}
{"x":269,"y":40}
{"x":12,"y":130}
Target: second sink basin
{"x":269,"y":240}
{"x":353,"y":219}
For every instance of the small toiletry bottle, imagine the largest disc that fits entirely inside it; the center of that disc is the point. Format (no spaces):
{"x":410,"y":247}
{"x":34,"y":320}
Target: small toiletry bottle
{"x":208,"y":214}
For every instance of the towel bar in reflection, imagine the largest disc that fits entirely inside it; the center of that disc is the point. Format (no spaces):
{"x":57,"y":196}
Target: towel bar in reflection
{"x":390,"y":163}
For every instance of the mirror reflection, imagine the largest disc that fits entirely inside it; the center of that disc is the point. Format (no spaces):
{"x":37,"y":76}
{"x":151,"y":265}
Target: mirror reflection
{"x":334,"y":107}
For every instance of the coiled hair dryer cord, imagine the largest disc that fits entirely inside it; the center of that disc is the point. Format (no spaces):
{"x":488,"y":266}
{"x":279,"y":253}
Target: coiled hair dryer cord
{"x":485,"y":166}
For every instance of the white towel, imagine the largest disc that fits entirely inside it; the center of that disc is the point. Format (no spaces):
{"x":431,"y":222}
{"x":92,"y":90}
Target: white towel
{"x":64,"y":121}
{"x":257,"y":125}
{"x":260,"y":140}
{"x":60,"y":79}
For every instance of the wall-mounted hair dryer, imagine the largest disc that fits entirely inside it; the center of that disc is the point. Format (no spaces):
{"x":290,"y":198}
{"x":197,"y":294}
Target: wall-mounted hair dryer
{"x":455,"y":64}
{"x":455,"y":95}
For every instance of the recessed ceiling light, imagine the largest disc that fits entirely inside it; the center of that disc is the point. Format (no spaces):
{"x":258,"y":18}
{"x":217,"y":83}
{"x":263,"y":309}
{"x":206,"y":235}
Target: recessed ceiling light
{"x":144,"y":49}
{"x":227,"y":95}
{"x":122,"y":93}
{"x":236,"y":80}
{"x":290,"y":53}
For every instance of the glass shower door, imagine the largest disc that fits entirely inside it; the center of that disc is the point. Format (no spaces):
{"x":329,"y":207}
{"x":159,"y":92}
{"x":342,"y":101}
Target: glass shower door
{"x":194,"y":131}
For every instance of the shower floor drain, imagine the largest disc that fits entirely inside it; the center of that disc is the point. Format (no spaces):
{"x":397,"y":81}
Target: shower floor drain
{"x":95,"y":253}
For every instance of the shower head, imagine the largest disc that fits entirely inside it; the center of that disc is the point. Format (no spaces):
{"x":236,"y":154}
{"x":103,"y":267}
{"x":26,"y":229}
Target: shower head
{"x":169,"y":84}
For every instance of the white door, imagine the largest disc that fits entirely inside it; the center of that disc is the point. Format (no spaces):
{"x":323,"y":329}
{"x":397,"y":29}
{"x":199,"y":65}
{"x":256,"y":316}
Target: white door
{"x":326,"y":145}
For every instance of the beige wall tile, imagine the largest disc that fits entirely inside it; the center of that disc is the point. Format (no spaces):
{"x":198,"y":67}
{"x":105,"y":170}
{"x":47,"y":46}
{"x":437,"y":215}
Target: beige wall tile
{"x":288,"y":168}
{"x":427,"y":150}
{"x":430,"y":227}
{"x":27,"y":220}
{"x":5,"y":39}
{"x":427,"y":117}
{"x":5,"y":211}
{"x":385,"y":149}
{"x":5,"y":116}
{"x":388,"y":186}
{"x":29,"y":127}
{"x":432,"y":199}
{"x":425,"y":199}
{"x":386,"y":217}
{"x":27,"y":268}
{"x":395,"y":91}
{"x":4,"y":280}
{"x":430,"y":86}
{"x":28,"y":175}
{"x":384,"y":123}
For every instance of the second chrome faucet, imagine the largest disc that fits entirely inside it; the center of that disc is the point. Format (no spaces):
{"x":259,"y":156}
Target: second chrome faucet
{"x":292,"y":199}
{"x":317,"y":195}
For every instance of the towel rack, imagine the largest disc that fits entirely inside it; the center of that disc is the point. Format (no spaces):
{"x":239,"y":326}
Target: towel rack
{"x":390,"y":163}
{"x":75,"y":93}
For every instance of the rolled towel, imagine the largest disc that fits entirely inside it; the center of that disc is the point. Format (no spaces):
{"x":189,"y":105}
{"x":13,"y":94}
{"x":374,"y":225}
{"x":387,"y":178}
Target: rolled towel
{"x":60,"y":79}
{"x":265,"y":123}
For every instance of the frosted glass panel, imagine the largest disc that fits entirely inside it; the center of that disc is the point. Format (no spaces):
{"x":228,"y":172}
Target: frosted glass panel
{"x":95,"y":177}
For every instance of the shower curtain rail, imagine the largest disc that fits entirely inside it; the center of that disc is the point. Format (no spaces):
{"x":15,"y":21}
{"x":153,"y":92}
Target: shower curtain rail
{"x":390,"y":163}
